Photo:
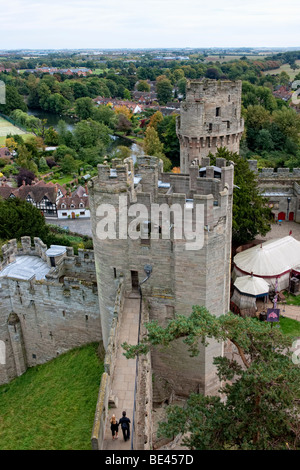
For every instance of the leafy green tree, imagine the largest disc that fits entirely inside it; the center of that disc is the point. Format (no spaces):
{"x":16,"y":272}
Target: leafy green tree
{"x":250,"y":214}
{"x":143,"y":86}
{"x":84,"y":108}
{"x":43,"y":167}
{"x":13,"y":101}
{"x":19,"y":218}
{"x":288,"y":122}
{"x":126,"y":94}
{"x":51,"y":137}
{"x":25,"y":159}
{"x":261,"y":385}
{"x":69,"y":164}
{"x":167,"y":134}
{"x":153,"y":146}
{"x":106,"y":115}
{"x":164,"y":90}
{"x":89,"y":133}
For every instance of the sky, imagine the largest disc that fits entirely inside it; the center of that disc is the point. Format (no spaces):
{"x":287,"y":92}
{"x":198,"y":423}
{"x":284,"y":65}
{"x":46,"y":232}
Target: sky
{"x":100,"y":24}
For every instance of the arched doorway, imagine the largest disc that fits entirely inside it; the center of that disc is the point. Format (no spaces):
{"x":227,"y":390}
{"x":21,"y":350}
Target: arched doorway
{"x":281,"y":216}
{"x":291,"y":216}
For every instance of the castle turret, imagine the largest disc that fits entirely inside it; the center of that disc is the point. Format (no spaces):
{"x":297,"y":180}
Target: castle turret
{"x":210,"y":118}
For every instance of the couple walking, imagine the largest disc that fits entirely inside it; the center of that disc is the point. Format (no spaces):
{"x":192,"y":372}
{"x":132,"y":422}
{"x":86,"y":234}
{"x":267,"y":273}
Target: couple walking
{"x":125,"y":426}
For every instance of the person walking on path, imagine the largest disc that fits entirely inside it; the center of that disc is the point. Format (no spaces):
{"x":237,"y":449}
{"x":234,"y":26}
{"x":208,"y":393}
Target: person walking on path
{"x":125,"y":425}
{"x":114,"y":426}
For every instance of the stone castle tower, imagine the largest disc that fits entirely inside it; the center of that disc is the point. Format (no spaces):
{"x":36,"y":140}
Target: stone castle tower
{"x":209,"y":118}
{"x":180,"y":277}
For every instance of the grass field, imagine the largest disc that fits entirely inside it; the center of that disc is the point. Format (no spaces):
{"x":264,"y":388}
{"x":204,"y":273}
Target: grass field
{"x":228,"y":58}
{"x":7,"y":128}
{"x":52,"y":406}
{"x":284,"y":68}
{"x":290,"y":327}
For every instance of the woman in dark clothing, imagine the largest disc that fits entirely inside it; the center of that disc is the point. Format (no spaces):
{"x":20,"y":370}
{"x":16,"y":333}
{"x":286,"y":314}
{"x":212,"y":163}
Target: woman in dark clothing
{"x":114,"y":426}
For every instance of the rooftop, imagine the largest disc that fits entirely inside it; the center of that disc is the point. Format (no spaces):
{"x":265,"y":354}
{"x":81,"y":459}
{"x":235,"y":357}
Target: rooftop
{"x":26,"y":268}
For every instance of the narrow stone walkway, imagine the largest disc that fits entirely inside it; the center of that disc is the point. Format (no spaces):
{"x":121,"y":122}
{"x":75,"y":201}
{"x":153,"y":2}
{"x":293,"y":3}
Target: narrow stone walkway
{"x":123,"y":380}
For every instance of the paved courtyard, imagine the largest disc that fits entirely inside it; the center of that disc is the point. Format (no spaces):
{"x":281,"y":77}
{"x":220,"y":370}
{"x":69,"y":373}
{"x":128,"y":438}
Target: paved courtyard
{"x":282,"y":230}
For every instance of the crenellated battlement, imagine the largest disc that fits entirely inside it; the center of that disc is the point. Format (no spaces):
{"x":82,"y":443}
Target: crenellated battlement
{"x":274,"y":172}
{"x":210,"y":118}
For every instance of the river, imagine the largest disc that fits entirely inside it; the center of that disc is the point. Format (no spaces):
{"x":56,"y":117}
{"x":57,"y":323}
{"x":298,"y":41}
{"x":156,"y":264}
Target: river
{"x":52,"y":121}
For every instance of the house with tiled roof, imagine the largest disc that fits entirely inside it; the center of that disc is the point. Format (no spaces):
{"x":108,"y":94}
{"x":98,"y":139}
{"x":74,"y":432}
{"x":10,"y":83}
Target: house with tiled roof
{"x":75,"y":205}
{"x":44,"y":196}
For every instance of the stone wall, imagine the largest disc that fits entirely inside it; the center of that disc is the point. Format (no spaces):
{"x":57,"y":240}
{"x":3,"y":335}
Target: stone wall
{"x":101,"y":413}
{"x":281,"y":187}
{"x":40,"y":319}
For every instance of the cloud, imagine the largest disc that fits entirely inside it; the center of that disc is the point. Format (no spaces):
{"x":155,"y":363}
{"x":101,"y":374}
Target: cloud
{"x":147,"y":23}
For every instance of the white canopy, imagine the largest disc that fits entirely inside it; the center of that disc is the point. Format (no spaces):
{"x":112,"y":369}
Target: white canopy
{"x":252,"y":285}
{"x":271,"y":258}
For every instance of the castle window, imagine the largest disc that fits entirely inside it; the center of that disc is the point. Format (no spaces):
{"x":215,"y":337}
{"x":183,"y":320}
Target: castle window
{"x":33,"y":356}
{"x":64,"y":313}
{"x":218,"y":112}
{"x":86,"y":318}
{"x":210,"y":126}
{"x":228,"y":98}
{"x":228,"y":124}
{"x":115,"y":273}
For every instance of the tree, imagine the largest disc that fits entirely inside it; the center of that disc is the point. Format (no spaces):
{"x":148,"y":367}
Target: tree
{"x":167,"y":134}
{"x":89,"y":133}
{"x":164,"y":91}
{"x":84,"y":108}
{"x":105,"y":115}
{"x":51,"y":137}
{"x":13,"y":101}
{"x":26,"y":176}
{"x":155,"y":119}
{"x":261,"y":384}
{"x":250,"y":215}
{"x":19,"y":218}
{"x":25,"y":159}
{"x":143,"y":86}
{"x":153,"y":146}
{"x":69,"y":164}
{"x":123,"y":124}
{"x":43,"y":166}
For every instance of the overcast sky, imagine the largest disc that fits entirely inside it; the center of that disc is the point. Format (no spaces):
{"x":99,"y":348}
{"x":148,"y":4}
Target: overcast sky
{"x":39,"y":24}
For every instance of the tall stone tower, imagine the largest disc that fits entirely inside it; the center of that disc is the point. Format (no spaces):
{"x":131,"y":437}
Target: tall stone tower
{"x":210,"y":117}
{"x":181,"y":277}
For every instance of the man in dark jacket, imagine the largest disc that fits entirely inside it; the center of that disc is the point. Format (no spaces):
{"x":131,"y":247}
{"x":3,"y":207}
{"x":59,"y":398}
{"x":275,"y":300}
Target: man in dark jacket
{"x":125,"y":426}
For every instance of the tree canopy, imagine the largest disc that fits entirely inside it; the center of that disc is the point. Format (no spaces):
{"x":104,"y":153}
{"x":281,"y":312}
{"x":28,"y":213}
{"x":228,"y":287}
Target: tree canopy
{"x":261,"y":384}
{"x":20,"y":218}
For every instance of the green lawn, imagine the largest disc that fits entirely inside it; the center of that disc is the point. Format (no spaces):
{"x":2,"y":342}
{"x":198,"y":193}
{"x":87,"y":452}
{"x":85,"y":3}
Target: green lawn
{"x":52,"y":406}
{"x":291,"y":299}
{"x":284,"y":68}
{"x":64,"y":180}
{"x":289,"y":326}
